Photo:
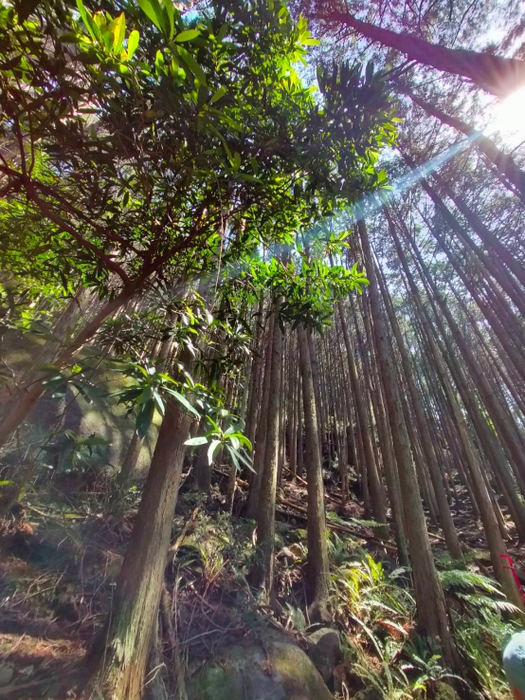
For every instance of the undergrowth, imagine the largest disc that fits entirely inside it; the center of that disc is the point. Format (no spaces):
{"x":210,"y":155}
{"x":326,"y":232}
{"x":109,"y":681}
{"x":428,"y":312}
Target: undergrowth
{"x":373,"y":608}
{"x":207,"y":582}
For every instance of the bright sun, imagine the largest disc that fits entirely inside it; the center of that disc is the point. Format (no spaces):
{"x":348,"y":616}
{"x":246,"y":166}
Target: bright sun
{"x":507,"y":118}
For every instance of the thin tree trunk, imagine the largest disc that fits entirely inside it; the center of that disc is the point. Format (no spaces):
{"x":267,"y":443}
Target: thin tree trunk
{"x":430,"y":600}
{"x":262,"y":574}
{"x":378,"y":504}
{"x":255,"y":376}
{"x":318,"y":569}
{"x":389,"y":461}
{"x":504,"y":163}
{"x":260,"y":440}
{"x":496,"y":545}
{"x":445,"y":515}
{"x":129,"y":463}
{"x":500,"y":274}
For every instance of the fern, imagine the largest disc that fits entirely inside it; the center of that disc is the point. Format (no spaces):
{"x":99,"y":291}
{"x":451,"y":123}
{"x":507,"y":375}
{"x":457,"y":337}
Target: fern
{"x":461,"y":578}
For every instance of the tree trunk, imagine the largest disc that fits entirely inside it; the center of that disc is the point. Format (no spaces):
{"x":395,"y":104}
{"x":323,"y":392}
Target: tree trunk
{"x":387,"y":452}
{"x":129,"y":463}
{"x":318,"y":569}
{"x":122,"y":649}
{"x":495,"y":542}
{"x":490,"y":240}
{"x":494,"y":74}
{"x":445,"y":515}
{"x":261,"y":434}
{"x":202,"y":469}
{"x":430,"y":600}
{"x":255,"y":376}
{"x":503,"y":277}
{"x":378,"y":504}
{"x":504,"y":163}
{"x":262,"y":574}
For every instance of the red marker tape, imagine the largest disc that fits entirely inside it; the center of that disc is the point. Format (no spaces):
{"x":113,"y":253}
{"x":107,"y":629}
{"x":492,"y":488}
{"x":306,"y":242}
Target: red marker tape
{"x":511,"y":567}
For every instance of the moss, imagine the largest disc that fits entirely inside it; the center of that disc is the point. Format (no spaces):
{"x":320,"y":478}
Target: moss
{"x":444,"y":692}
{"x":271,"y":668}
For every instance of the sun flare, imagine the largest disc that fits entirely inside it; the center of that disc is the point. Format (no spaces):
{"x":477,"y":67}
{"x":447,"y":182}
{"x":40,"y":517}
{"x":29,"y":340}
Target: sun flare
{"x":508,"y":118}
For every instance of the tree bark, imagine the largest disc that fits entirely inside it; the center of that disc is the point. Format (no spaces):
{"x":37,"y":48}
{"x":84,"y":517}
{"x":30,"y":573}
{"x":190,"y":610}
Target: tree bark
{"x":495,"y":541}
{"x":262,"y":574}
{"x":494,"y":74}
{"x":261,"y":434}
{"x":504,"y":163}
{"x":501,"y":275}
{"x":129,"y":463}
{"x":445,"y":515}
{"x":430,"y":600}
{"x":318,"y":568}
{"x":378,"y":504}
{"x":122,"y":651}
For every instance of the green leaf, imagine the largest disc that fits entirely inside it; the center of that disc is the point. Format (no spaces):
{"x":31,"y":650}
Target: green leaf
{"x":94,"y":440}
{"x":83,"y":11}
{"x":244,"y":440}
{"x":169,"y":12}
{"x":213,"y":424}
{"x":213,"y":99}
{"x":223,"y":31}
{"x":212,"y":450}
{"x":235,"y":442}
{"x":192,"y":65}
{"x":159,"y":402}
{"x":4,"y":482}
{"x":233,"y":455}
{"x":245,"y":459}
{"x":88,"y":21}
{"x":196,"y":441}
{"x":159,"y":60}
{"x":184,"y":401}
{"x":152,"y":10}
{"x":236,"y":161}
{"x":133,"y":42}
{"x":187,"y":35}
{"x":144,"y":418}
{"x":119,"y":32}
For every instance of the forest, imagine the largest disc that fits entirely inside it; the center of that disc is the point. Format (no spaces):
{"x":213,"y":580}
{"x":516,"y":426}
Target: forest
{"x":262,"y":349}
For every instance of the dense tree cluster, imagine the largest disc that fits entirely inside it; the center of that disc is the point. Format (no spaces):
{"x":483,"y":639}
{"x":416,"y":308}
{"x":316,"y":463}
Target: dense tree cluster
{"x":301,"y":280}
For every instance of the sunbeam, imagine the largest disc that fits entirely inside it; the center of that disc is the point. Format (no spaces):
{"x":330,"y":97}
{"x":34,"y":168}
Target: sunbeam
{"x":371,"y":203}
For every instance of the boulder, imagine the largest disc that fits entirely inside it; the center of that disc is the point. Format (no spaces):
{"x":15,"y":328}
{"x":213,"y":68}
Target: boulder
{"x":444,"y":692}
{"x":325,"y":651}
{"x":272,"y":667}
{"x":7,"y":672}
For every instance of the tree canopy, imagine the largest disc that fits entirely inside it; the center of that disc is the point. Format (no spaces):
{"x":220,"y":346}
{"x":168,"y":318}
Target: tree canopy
{"x":262,"y":347}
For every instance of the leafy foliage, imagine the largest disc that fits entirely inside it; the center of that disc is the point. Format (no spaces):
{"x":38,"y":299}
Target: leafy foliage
{"x":142,"y":144}
{"x":150,"y":389}
{"x":232,"y":439}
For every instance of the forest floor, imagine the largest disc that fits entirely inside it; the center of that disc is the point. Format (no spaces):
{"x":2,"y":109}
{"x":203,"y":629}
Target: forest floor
{"x":59,"y":566}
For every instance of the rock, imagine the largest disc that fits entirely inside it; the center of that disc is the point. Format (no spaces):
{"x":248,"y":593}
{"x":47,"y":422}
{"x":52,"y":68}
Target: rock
{"x":291,"y":555}
{"x":270,"y":668}
{"x":369,"y":694}
{"x":444,"y":692}
{"x":325,"y":651}
{"x":6,"y":674}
